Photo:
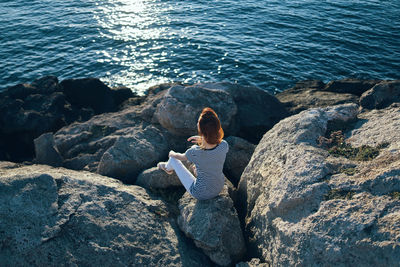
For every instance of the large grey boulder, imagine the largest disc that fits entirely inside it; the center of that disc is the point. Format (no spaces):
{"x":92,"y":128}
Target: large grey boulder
{"x":46,"y":152}
{"x":119,"y":144}
{"x":305,"y":207}
{"x":137,"y":148}
{"x":154,"y":178}
{"x":381,"y":95}
{"x":59,"y":217}
{"x":181,"y":106}
{"x":311,"y":94}
{"x":376,"y":127}
{"x":214,"y":226}
{"x":237,"y":158}
{"x":258,"y":111}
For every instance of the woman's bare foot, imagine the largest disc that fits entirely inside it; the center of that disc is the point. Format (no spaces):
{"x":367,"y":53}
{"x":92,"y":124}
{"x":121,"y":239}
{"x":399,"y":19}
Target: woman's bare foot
{"x":163,"y":166}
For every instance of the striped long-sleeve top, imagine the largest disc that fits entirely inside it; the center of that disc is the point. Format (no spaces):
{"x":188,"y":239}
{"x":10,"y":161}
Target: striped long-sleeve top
{"x":209,"y":164}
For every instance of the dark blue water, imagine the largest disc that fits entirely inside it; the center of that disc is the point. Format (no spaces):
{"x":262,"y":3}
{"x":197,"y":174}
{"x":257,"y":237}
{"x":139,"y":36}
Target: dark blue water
{"x":138,"y":43}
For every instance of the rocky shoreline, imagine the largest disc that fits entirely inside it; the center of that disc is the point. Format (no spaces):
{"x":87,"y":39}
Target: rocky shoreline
{"x":288,"y":200}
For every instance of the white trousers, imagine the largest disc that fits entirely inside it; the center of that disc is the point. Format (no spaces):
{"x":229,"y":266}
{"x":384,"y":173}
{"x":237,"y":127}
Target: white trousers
{"x":186,"y":177}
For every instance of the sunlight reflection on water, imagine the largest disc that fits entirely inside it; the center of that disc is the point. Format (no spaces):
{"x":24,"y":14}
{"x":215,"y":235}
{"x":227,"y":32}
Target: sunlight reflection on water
{"x":137,"y":25}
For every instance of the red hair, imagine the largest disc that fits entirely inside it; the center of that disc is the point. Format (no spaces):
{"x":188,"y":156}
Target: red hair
{"x":210,"y":127}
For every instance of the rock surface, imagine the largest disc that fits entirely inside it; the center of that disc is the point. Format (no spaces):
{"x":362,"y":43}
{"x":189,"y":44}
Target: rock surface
{"x":181,"y":106}
{"x":350,"y":86}
{"x":303,"y":206}
{"x":58,"y":217}
{"x":93,"y":93}
{"x":214,"y":226}
{"x":381,"y":95}
{"x":29,"y":110}
{"x":46,"y":152}
{"x":155,"y":178}
{"x":237,"y":158}
{"x":119,"y":144}
{"x":258,"y":111}
{"x":124,"y":143}
{"x":134,"y":149}
{"x":252,"y":263}
{"x":311,"y":94}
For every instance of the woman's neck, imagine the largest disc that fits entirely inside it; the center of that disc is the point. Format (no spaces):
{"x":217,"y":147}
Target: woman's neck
{"x":207,"y":145}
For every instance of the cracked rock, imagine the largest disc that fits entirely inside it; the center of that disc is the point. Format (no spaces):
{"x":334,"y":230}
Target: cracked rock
{"x":59,"y":217}
{"x":304,"y":207}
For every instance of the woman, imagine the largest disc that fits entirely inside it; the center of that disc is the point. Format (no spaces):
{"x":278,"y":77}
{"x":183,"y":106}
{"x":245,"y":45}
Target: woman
{"x":208,"y":157}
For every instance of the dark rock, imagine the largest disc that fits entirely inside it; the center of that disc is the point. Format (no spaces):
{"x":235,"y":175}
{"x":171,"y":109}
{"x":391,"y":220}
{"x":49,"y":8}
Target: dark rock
{"x":160,"y":87}
{"x":350,"y":86}
{"x":257,"y":110}
{"x":89,"y":92}
{"x":122,"y":94}
{"x":46,"y":85}
{"x":19,"y":91}
{"x":22,"y":120}
{"x":46,"y":152}
{"x":381,"y":95}
{"x":27,"y":111}
{"x":214,"y":226}
{"x":300,"y":98}
{"x":237,"y":158}
{"x":312,"y":84}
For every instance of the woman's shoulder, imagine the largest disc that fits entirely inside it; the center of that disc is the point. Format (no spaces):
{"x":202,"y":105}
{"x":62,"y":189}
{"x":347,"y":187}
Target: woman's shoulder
{"x":224,"y":144}
{"x":194,"y":147}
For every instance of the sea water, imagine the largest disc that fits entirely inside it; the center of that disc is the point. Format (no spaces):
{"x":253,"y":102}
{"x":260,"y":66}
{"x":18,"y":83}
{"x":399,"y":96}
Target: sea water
{"x":139,"y":43}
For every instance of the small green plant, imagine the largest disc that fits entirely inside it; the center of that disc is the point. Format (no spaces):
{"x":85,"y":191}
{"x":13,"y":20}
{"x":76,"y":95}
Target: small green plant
{"x":349,"y":171}
{"x":365,"y":153}
{"x":339,"y":194}
{"x":338,"y":147}
{"x":395,"y":195}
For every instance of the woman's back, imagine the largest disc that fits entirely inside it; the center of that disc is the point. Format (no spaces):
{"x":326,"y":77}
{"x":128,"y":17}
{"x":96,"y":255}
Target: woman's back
{"x":209,"y":165}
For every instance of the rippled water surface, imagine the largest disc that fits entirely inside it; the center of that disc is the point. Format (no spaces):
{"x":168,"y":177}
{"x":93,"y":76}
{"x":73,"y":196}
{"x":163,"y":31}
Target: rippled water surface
{"x":138,"y":43}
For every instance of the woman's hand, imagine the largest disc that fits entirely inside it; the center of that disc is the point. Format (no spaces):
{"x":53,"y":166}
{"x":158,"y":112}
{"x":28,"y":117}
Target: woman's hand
{"x":194,"y":139}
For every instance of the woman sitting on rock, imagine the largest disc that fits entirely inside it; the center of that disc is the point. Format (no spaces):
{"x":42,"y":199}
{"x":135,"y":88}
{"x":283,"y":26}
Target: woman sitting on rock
{"x":208,"y":157}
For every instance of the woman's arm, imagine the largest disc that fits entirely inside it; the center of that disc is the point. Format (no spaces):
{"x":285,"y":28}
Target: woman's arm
{"x":178,"y":156}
